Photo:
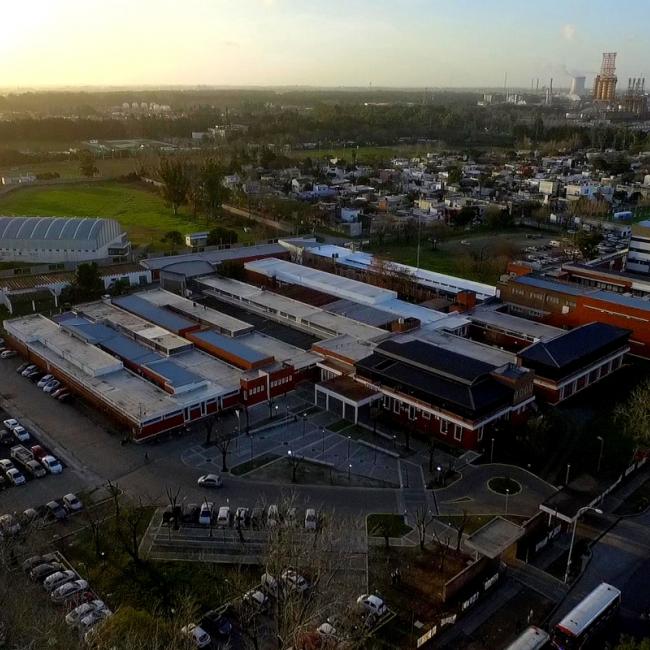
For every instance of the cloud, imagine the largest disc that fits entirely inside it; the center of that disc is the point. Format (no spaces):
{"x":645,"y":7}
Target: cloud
{"x":568,"y":32}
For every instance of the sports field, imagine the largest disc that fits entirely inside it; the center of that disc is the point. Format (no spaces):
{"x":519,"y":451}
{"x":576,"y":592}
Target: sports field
{"x":143,"y":213}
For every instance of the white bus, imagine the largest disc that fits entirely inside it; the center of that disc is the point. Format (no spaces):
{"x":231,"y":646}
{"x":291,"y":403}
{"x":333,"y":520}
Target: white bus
{"x":587,"y":618}
{"x":532,"y":638}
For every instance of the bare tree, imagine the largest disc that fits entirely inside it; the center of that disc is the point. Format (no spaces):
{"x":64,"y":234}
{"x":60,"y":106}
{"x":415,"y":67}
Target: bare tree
{"x":423,"y":519}
{"x":129,"y":524}
{"x":634,"y":415}
{"x":223,"y":442}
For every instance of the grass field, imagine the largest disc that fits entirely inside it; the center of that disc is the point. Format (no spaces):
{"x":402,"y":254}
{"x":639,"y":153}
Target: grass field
{"x":143,"y":213}
{"x":109,"y":168}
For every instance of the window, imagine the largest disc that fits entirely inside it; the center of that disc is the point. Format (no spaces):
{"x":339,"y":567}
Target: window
{"x":426,"y":415}
{"x":444,"y":426}
{"x":396,"y":406}
{"x":458,"y":432}
{"x":411,"y":412}
{"x":480,"y":434}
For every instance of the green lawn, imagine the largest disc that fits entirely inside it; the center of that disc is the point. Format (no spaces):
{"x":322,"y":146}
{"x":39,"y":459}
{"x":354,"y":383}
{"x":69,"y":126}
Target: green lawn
{"x":142,"y":212}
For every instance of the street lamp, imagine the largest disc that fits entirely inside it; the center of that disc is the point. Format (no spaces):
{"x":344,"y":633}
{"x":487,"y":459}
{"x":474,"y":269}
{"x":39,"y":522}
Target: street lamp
{"x":322,"y":433}
{"x":349,"y":439}
{"x":349,"y":470}
{"x":276,"y":410}
{"x":492,"y":450}
{"x":580,"y":512}
{"x":238,"y":421}
{"x":507,"y":495}
{"x":304,"y":424}
{"x":600,"y":453}
{"x":439,"y":470}
{"x":568,"y":470}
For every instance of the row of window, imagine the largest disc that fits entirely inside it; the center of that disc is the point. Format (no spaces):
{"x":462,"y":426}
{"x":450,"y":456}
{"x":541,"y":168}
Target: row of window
{"x":279,"y":382}
{"x":445,"y":426}
{"x":592,"y":377}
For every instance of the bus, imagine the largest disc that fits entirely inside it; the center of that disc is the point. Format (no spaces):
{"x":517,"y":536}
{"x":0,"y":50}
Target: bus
{"x":532,"y":638}
{"x":587,"y":619}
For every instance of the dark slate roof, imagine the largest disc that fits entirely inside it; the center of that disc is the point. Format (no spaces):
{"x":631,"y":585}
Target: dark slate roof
{"x":432,"y":358}
{"x":579,"y":344}
{"x":468,"y":399}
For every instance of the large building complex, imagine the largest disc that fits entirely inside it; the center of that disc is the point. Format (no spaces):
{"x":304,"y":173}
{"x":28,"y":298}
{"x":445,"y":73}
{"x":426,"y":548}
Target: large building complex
{"x":638,"y":256}
{"x":61,"y":239}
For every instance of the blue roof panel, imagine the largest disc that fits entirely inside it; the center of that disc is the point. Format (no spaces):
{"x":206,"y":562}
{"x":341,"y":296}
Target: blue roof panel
{"x":173,"y":373}
{"x":231,"y":346}
{"x":158,"y":315}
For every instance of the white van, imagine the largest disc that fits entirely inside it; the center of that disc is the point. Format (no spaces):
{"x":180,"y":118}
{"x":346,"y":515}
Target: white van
{"x":223,"y":519}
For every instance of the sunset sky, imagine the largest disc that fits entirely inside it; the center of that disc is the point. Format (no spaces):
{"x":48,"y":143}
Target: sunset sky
{"x":305,"y":42}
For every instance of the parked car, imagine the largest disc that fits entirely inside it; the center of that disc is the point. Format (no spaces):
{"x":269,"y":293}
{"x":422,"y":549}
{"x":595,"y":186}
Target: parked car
{"x":89,"y":621}
{"x":327,"y":631}
{"x":310,"y":519}
{"x":372,"y":604}
{"x":210,"y":481}
{"x":15,"y":477}
{"x":6,"y":437}
{"x":242,"y":517}
{"x":38,"y":452}
{"x":34,"y":375}
{"x":257,"y":518}
{"x":67,"y":590}
{"x":51,"y":464}
{"x":256,"y":599}
{"x":3,"y":482}
{"x":43,"y":571}
{"x":30,"y":515}
{"x":74,"y":617}
{"x":190,"y":513}
{"x":223,"y":518}
{"x":269,"y":584}
{"x":72,"y":503}
{"x":45,"y":379}
{"x":53,"y":385}
{"x":7,"y":354}
{"x":33,"y":561}
{"x":291,"y":519}
{"x":11,"y":423}
{"x":216,"y":624}
{"x":58,"y":391}
{"x":35,"y":468}
{"x":9,"y":525}
{"x":59,"y":578}
{"x":65,"y":396}
{"x":6,"y":465}
{"x":294,"y":581}
{"x":56,"y":510}
{"x":273,"y":516}
{"x":29,"y":369}
{"x":205,"y":515}
{"x":22,"y":367}
{"x":21,"y":434}
{"x":200,"y":637}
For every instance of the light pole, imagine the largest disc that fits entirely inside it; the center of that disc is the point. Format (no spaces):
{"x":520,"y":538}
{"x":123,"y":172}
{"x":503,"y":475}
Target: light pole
{"x":238,"y":420}
{"x":568,"y":470}
{"x":349,"y":439}
{"x":573,"y":536}
{"x":600,"y":453}
{"x":439,"y":470}
{"x":304,"y":424}
{"x":349,"y":471}
{"x":322,"y":433}
{"x":491,"y":450}
{"x":507,"y":495}
{"x":417,"y":260}
{"x":277,"y":408}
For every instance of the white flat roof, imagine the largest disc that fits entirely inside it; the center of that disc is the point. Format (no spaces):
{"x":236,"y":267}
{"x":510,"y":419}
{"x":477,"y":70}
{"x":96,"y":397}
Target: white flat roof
{"x":330,"y":283}
{"x":222,"y":321}
{"x":432,"y":279}
{"x":282,"y":351}
{"x":223,"y":377}
{"x":515,"y":324}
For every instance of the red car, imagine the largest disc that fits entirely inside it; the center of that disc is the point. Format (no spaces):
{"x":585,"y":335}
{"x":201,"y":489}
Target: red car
{"x":38,"y":452}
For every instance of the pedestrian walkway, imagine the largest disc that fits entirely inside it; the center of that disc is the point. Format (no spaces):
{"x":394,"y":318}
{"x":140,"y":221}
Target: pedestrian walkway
{"x":537,"y":580}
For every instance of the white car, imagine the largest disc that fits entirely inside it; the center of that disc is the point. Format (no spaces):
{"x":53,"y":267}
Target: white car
{"x":242,"y":517}
{"x":9,"y":525}
{"x":223,"y":518}
{"x":294,"y":581}
{"x":53,"y":385}
{"x":327,"y":631}
{"x":6,"y":465}
{"x":15,"y":477}
{"x":72,"y":503}
{"x":45,"y":379}
{"x":67,"y":590}
{"x":59,"y":578}
{"x":27,"y":370}
{"x":205,"y":514}
{"x":310,"y":519}
{"x":210,"y":481}
{"x":269,"y":584}
{"x":21,"y":434}
{"x":90,"y":620}
{"x":7,"y":354}
{"x":198,"y":634}
{"x":51,"y":464}
{"x":11,"y":423}
{"x":372,"y":604}
{"x":83,"y":610}
{"x":273,"y":516}
{"x":256,"y":598}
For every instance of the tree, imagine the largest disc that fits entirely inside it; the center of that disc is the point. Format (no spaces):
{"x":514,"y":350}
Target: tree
{"x":173,"y":238}
{"x":223,"y":443}
{"x":211,"y":424}
{"x":423,"y":519}
{"x":87,"y":164}
{"x":633,"y":417}
{"x":630,"y":643}
{"x":214,"y":191}
{"x":219,"y":236}
{"x":175,"y":181}
{"x":87,"y":284}
{"x":587,"y":243}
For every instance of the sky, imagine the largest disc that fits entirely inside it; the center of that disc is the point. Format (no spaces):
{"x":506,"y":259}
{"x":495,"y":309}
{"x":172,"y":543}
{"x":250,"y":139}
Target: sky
{"x":402,"y":43}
